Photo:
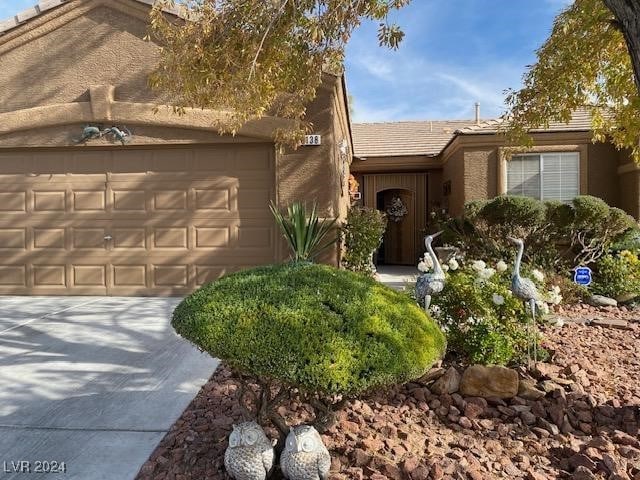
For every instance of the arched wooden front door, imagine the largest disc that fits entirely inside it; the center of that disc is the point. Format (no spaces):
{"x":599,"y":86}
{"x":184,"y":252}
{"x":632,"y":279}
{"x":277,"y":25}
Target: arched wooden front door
{"x":399,"y":240}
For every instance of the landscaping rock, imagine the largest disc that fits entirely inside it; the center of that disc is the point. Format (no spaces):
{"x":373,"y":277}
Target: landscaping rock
{"x":455,"y":436}
{"x":612,"y":323}
{"x":448,"y":383}
{"x":602,"y":301}
{"x":527,"y":390}
{"x":626,"y":298}
{"x":489,"y":381}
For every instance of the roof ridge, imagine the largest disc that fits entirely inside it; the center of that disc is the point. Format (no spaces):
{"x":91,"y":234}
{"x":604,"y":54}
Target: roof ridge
{"x":455,"y":120}
{"x":45,"y":5}
{"x":482,"y":125}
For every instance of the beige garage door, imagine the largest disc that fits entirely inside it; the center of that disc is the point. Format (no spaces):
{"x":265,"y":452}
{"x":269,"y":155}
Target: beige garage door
{"x":133,"y":221}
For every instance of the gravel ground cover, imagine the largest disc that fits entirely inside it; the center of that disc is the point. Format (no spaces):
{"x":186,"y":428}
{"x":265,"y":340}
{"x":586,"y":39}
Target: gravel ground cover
{"x":585,"y":424}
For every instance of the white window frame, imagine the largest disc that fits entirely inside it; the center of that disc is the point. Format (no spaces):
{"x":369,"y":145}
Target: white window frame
{"x":541,"y":156}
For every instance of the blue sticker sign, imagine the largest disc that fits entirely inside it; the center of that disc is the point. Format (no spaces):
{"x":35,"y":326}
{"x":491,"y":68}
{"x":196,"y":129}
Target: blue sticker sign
{"x":583,"y":276}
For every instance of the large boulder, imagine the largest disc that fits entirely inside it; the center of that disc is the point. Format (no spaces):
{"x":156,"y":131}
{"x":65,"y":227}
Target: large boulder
{"x":489,"y":381}
{"x":602,"y":301}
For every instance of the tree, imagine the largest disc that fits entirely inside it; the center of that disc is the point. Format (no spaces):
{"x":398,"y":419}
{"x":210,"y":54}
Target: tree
{"x":259,"y":57}
{"x":588,"y":61}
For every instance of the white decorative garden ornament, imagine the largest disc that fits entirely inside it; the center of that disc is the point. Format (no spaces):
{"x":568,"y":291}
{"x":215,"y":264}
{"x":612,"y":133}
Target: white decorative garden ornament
{"x":305,"y":457}
{"x":250,"y":455}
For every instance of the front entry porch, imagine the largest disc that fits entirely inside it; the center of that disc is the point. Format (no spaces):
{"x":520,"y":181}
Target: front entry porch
{"x":406,"y":195}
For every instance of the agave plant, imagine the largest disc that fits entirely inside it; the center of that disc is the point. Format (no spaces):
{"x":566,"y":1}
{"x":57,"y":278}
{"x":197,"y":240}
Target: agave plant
{"x":304,"y":231}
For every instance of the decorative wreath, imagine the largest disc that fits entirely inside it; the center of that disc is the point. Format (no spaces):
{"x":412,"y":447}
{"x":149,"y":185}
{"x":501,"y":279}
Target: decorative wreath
{"x":397,"y":210}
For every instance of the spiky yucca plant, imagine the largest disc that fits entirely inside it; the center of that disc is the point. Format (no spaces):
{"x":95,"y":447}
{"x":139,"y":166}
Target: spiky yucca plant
{"x":303,"y":230}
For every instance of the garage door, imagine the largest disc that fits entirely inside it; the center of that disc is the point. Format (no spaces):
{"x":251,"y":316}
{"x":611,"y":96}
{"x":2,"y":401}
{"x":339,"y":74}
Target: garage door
{"x":133,"y":221}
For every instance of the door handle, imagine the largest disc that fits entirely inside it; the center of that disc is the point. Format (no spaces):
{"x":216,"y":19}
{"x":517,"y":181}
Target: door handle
{"x":108,"y":237}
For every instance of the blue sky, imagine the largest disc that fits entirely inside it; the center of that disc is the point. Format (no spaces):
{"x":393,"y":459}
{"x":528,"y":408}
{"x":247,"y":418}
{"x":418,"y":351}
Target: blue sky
{"x":455,"y":52}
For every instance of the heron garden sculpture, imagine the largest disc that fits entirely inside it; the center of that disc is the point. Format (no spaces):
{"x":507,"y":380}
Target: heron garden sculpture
{"x":526,"y":290}
{"x":430,"y":283}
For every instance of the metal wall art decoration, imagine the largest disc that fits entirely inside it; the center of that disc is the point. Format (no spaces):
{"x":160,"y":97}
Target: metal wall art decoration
{"x":113,"y":133}
{"x":396,"y":210}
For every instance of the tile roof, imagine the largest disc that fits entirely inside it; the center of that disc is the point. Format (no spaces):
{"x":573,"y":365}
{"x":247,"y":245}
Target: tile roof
{"x":45,"y":5}
{"x":580,"y":121}
{"x":404,"y":138}
{"x":397,"y":139}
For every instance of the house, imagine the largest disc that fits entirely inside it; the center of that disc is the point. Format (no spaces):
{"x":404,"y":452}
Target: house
{"x":174,"y":208}
{"x":439,"y":165}
{"x":156,"y":203}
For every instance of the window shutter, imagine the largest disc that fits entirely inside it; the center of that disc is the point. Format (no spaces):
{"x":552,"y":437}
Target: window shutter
{"x":560,"y":176}
{"x":523,"y":176}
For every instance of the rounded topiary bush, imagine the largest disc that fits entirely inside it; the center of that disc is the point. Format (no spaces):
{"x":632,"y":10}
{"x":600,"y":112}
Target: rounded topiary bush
{"x":313,"y":327}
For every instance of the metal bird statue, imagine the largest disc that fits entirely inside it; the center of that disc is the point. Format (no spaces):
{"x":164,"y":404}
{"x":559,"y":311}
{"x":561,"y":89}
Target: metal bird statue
{"x":89,"y":133}
{"x":430,"y":283}
{"x":526,"y":290}
{"x":122,"y":135}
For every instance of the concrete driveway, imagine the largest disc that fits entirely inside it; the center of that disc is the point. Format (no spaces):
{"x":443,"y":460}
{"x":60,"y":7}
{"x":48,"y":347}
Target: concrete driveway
{"x":94,"y":382}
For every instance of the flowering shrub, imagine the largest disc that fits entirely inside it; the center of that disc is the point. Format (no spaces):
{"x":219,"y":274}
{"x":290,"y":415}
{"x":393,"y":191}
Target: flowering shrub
{"x":617,"y":274}
{"x":483,"y":320}
{"x":362,"y":235}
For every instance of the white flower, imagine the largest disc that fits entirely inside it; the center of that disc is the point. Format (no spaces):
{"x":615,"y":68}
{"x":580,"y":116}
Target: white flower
{"x":478,"y":265}
{"x":498,"y":299}
{"x":453,"y":264}
{"x":538,"y":275}
{"x":435,"y":310}
{"x":501,"y":266}
{"x":543,"y":307}
{"x":487,"y":273}
{"x":423,"y":267}
{"x":445,"y":267}
{"x":553,"y":296}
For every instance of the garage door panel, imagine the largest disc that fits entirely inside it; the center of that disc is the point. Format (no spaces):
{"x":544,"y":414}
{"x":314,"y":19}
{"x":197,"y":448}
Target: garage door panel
{"x":13,"y":239}
{"x":89,"y":238}
{"x":49,"y":276}
{"x":90,"y":275}
{"x":129,"y":238}
{"x":13,"y":275}
{"x":129,"y":200}
{"x":170,"y":200}
{"x":212,"y":237}
{"x":128,"y":275}
{"x":89,"y":200}
{"x":49,"y":200}
{"x":170,"y":238}
{"x":12,"y":202}
{"x":170,"y":275}
{"x":49,"y":238}
{"x":214,"y":199}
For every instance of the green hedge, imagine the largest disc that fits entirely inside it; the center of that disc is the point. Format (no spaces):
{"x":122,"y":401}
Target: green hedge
{"x":313,"y":327}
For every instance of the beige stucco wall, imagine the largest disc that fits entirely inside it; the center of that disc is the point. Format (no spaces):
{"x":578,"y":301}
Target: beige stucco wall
{"x":480,"y":173}
{"x":52,"y":65}
{"x":88,"y":46}
{"x":602,"y":173}
{"x":453,"y":171}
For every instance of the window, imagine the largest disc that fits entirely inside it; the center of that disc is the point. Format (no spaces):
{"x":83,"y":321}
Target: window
{"x":546,"y":176}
